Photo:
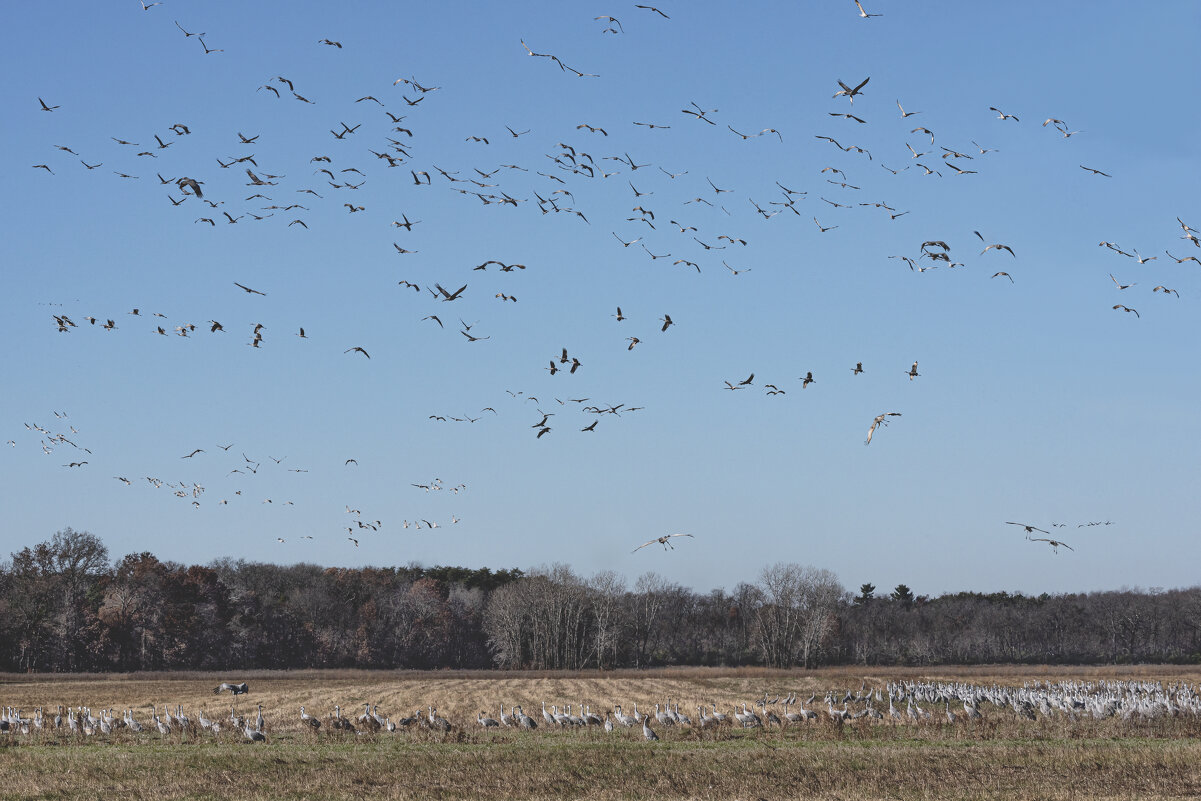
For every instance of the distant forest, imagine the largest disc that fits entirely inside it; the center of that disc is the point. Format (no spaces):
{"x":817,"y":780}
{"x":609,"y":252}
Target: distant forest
{"x":66,"y":606}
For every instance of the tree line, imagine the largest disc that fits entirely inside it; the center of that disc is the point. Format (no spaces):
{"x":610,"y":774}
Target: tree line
{"x":65,"y":606}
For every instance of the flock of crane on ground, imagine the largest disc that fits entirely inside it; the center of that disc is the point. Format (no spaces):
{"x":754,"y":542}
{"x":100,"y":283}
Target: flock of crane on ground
{"x":1072,"y":700}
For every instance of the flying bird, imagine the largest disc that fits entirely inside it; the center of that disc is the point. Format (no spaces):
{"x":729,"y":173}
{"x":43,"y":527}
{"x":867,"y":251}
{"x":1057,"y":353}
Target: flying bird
{"x":877,"y":422}
{"x":652,"y":8}
{"x":665,"y":541}
{"x":1029,"y":529}
{"x":189,"y":183}
{"x":1053,"y":543}
{"x":849,"y":92}
{"x":863,"y":13}
{"x":360,"y":350}
{"x":1182,"y":261}
{"x":248,"y":290}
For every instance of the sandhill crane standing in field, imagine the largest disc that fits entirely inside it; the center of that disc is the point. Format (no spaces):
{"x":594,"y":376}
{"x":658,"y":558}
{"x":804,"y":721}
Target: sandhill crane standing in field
{"x":809,"y":713}
{"x":648,"y":732}
{"x":436,"y":722}
{"x":308,"y":720}
{"x":370,"y":721}
{"x":163,"y":728}
{"x":487,"y":723}
{"x":747,"y":718}
{"x":525,"y":720}
{"x":339,"y":722}
{"x":770,"y":717}
{"x":237,"y":720}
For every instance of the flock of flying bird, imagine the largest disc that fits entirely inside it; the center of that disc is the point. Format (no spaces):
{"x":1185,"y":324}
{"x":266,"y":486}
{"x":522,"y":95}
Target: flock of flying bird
{"x":572,"y":166}
{"x":247,"y":468}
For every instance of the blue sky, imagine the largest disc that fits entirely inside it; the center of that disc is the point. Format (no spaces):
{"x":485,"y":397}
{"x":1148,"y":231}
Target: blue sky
{"x":1036,"y":400}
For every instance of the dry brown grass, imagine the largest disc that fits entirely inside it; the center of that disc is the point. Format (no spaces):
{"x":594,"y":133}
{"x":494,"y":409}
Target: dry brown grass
{"x":1002,"y":757}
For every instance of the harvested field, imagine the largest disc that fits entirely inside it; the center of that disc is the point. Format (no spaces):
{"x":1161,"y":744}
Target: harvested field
{"x":1002,"y":756}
